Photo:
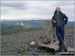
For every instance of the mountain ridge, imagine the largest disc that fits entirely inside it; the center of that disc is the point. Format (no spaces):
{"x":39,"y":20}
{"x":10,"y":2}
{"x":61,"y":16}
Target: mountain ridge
{"x":31,"y":23}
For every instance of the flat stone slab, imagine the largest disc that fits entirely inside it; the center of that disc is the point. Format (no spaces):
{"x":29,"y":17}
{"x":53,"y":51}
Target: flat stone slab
{"x":51,"y":46}
{"x":54,"y":47}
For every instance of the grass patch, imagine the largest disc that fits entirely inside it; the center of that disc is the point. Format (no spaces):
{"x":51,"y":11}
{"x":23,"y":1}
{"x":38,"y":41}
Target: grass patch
{"x":16,"y":29}
{"x":33,"y":29}
{"x":20,"y":29}
{"x":69,"y":27}
{"x":2,"y":36}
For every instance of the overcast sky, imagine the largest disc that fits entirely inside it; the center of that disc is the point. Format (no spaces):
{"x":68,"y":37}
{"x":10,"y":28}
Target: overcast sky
{"x":35,"y":10}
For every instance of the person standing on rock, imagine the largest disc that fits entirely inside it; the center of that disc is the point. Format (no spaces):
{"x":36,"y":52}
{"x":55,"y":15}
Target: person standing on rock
{"x":59,"y":19}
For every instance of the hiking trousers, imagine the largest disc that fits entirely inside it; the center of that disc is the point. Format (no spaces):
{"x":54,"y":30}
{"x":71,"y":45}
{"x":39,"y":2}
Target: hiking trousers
{"x":60,"y":34}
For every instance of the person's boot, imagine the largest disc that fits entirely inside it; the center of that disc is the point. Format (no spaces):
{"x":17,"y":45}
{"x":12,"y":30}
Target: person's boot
{"x":62,"y":47}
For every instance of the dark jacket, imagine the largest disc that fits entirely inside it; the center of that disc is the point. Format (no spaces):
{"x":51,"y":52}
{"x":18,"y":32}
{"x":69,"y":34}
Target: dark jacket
{"x":61,"y":19}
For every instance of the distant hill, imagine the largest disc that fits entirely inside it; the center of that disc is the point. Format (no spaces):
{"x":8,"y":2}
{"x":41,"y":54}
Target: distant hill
{"x":71,"y":23}
{"x":5,"y":29}
{"x":27,"y":23}
{"x":30,"y":23}
{"x":14,"y":26}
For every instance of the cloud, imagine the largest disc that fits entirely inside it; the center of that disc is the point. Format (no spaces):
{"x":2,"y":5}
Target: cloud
{"x":15,"y":5}
{"x":64,"y":3}
{"x":29,"y":10}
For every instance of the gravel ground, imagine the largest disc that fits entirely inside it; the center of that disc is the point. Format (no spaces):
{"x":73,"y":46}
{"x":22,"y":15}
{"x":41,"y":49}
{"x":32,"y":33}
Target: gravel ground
{"x":18,"y":43}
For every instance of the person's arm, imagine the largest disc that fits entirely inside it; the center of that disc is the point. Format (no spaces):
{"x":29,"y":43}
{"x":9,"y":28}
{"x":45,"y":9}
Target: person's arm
{"x":65,"y":19}
{"x":53,"y":19}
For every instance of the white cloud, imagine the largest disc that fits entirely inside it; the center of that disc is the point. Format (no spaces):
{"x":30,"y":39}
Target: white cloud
{"x":28,"y":10}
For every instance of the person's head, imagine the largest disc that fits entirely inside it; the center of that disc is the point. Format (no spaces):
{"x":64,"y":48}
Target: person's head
{"x":58,"y":9}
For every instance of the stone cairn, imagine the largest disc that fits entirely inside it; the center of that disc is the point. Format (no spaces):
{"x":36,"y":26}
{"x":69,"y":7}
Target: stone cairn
{"x":49,"y":32}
